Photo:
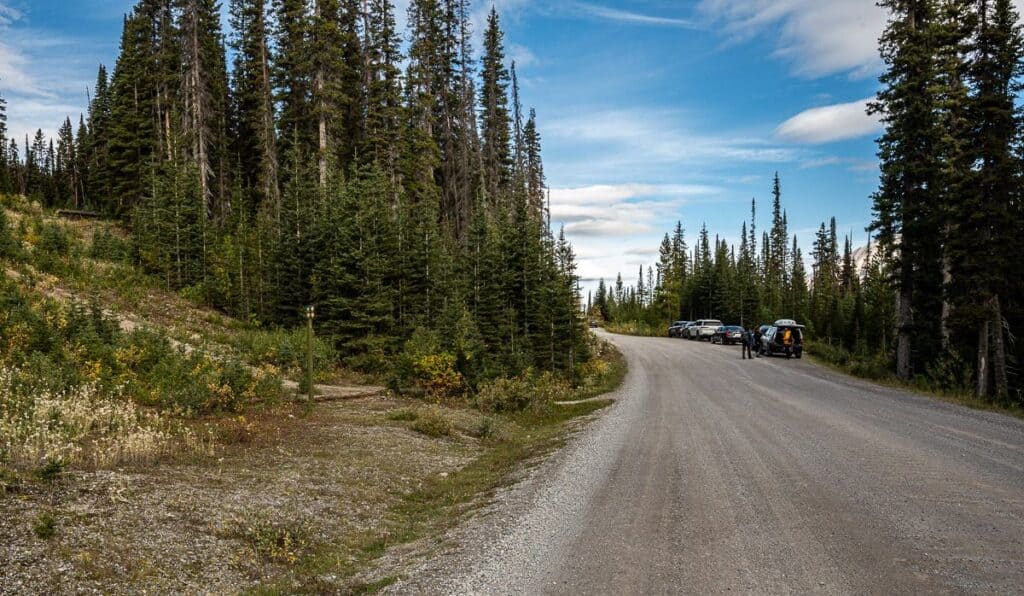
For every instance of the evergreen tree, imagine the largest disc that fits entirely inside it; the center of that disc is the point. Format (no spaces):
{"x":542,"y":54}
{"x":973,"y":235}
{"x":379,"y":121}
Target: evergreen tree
{"x":5,"y":174}
{"x":205,"y":105}
{"x":382,"y":48}
{"x":494,"y":116}
{"x":292,"y":75}
{"x":255,"y":146}
{"x":984,"y":270}
{"x":534,"y":165}
{"x":99,"y":181}
{"x":907,"y":218}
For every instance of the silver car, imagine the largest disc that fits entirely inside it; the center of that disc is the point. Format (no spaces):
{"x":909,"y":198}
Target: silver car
{"x":703,"y":329}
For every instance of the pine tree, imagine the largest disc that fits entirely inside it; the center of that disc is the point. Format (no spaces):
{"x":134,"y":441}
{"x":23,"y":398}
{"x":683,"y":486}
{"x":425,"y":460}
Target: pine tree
{"x":534,"y":165}
{"x":130,"y":133}
{"x":205,"y":105}
{"x":985,"y":271}
{"x":953,"y":30}
{"x":798,"y":285}
{"x":292,"y":75}
{"x":100,"y":184}
{"x":66,"y":173}
{"x":327,"y":56}
{"x":456,"y":133}
{"x":494,"y":117}
{"x":5,"y":173}
{"x":776,"y":258}
{"x":252,"y":93}
{"x":906,"y":213}
{"x":382,"y":48}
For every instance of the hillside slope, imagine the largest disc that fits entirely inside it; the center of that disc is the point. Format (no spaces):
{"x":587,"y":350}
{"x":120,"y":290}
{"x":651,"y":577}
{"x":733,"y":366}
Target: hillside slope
{"x":151,"y":443}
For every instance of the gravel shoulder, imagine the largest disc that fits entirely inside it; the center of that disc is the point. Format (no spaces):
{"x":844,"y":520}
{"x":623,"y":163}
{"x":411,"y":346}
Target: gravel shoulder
{"x":711,"y":474}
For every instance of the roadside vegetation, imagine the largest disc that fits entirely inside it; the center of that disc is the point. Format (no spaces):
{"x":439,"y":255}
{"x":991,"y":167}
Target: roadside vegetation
{"x":638,"y":328}
{"x":112,"y":385}
{"x":946,"y":380}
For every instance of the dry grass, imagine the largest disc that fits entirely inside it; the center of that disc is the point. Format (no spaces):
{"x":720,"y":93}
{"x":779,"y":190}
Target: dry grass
{"x":289,"y":485}
{"x":83,"y":428}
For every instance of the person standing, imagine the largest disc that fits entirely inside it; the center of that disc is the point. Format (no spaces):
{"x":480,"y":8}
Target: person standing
{"x":757,"y":342}
{"x":748,"y":345}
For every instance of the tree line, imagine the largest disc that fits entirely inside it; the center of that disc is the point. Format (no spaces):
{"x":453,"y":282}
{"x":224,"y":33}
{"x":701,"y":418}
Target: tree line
{"x":940,"y":293}
{"x":395,"y":191}
{"x":845,"y":299}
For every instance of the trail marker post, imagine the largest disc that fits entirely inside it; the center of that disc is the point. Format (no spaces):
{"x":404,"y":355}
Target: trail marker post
{"x":310,"y":315}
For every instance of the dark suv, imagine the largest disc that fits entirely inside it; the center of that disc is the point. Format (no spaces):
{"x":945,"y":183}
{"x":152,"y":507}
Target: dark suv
{"x":728,"y":335}
{"x":784,"y":337}
{"x":676,"y":330}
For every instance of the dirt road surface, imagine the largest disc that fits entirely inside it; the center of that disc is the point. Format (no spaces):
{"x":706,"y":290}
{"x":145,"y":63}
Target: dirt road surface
{"x":712,"y":475}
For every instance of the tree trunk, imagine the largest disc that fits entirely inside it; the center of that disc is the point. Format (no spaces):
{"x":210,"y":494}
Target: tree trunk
{"x":905,"y":326}
{"x":947,"y":277}
{"x":983,"y":372}
{"x":270,"y":163}
{"x":321,"y":108}
{"x":1002,"y":387}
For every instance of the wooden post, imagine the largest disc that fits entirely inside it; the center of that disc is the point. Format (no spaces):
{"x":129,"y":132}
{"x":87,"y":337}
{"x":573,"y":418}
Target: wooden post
{"x":310,"y":315}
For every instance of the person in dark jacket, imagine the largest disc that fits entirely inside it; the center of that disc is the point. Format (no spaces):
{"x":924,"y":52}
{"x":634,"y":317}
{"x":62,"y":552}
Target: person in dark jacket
{"x":757,"y":342}
{"x":748,"y":345}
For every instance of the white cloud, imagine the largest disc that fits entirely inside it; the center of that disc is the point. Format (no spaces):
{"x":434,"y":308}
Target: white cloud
{"x":605,"y":228}
{"x":521,"y":55}
{"x":633,"y":139}
{"x":819,"y":37}
{"x":14,"y":65}
{"x":8,"y":14}
{"x":830,"y":123}
{"x":623,"y":16}
{"x":610,"y":194}
{"x":820,"y":162}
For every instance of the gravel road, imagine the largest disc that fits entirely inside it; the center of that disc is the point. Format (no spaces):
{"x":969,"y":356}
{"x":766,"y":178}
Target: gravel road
{"x":712,"y":474}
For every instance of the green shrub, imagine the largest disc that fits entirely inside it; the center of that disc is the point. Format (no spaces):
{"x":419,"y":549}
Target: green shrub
{"x":640,"y":328}
{"x":403,"y":415}
{"x":274,"y":542}
{"x":528,"y":392}
{"x":424,"y":364}
{"x":10,"y":247}
{"x":432,"y":422}
{"x":949,"y":374}
{"x":876,"y":369}
{"x":45,"y":526}
{"x":50,"y":471}
{"x":53,"y":248}
{"x":485,"y":428}
{"x":285,"y":349}
{"x":109,"y":247}
{"x":829,"y":353}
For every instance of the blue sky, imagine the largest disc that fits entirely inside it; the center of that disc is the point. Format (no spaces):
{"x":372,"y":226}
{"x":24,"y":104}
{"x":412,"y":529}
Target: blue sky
{"x":651,"y":111}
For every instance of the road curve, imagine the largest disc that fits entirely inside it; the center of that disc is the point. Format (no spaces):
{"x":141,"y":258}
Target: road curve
{"x":713,"y":474}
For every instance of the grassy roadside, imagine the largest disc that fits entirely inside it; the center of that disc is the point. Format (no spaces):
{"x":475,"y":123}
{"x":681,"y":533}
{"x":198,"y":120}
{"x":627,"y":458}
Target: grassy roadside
{"x":877,"y":372}
{"x":637,"y":328}
{"x":512,"y":441}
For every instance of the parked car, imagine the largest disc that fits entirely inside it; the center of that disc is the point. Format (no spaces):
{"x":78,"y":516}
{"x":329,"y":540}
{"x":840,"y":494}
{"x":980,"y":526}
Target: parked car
{"x":728,"y":335}
{"x":784,"y":337}
{"x":675,"y":330}
{"x":704,"y":329}
{"x":687,"y":331}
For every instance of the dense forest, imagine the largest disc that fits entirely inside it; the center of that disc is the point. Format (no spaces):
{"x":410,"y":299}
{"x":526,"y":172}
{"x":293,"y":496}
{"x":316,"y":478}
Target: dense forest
{"x":938,"y":299}
{"x":309,"y":155}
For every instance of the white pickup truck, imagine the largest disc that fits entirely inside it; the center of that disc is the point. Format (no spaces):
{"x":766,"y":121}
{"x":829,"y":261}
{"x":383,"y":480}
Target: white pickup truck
{"x":703,"y":329}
